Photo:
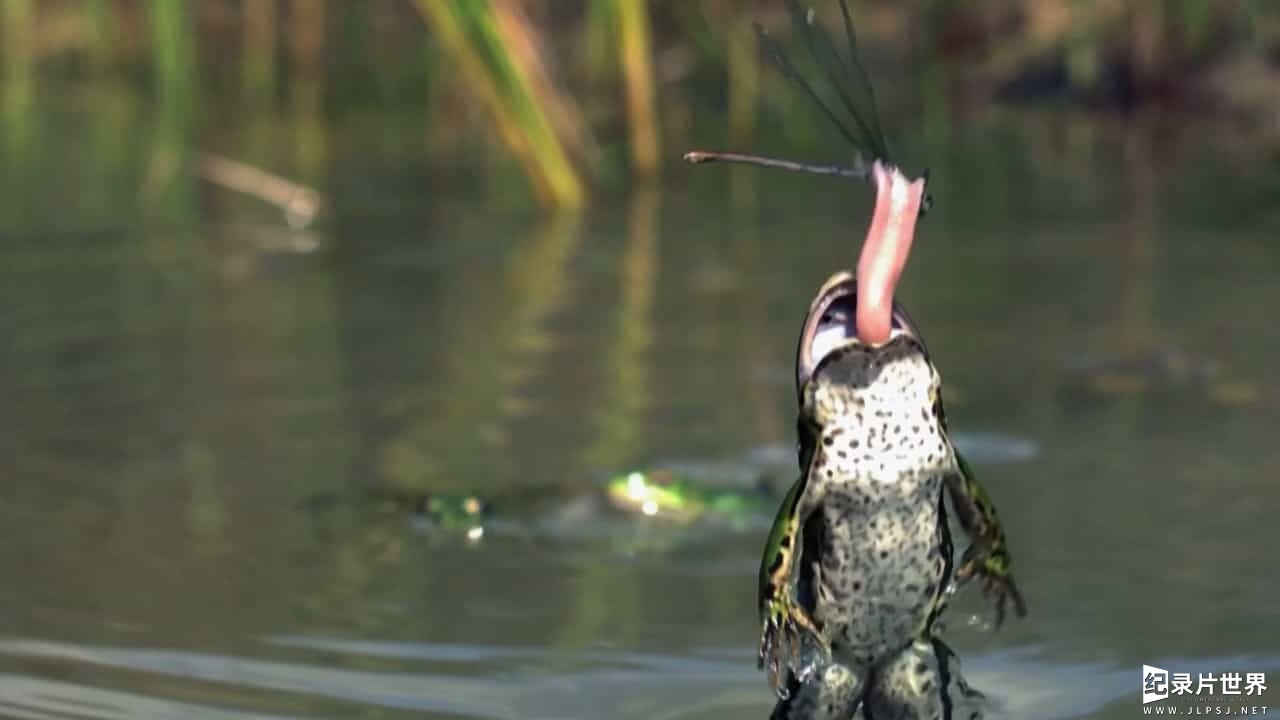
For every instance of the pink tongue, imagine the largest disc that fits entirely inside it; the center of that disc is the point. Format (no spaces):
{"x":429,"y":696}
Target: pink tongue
{"x":884,"y":254}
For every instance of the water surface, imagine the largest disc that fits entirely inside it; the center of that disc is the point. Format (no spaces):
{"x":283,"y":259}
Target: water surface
{"x":180,"y":374}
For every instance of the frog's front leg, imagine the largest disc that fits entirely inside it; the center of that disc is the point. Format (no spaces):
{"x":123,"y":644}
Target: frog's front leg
{"x":834,"y":692}
{"x":988,"y":552}
{"x":788,"y":636}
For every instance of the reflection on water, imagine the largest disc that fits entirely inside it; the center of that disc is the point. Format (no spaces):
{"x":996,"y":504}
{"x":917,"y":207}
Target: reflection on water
{"x":180,"y":374}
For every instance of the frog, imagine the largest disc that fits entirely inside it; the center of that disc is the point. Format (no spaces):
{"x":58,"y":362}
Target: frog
{"x":443,"y":516}
{"x":683,"y":498}
{"x":859,"y":562}
{"x":462,"y":514}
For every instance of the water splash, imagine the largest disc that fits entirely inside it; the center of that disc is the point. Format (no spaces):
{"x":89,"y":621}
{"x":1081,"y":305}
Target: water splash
{"x":980,"y":623}
{"x":811,"y":659}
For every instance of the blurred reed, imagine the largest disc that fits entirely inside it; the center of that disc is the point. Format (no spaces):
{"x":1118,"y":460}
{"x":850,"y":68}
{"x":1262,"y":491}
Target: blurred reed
{"x":16,"y":112}
{"x":168,"y":192}
{"x":100,"y":38}
{"x":307,"y":47}
{"x":18,"y":18}
{"x":555,"y":76}
{"x":258,"y":62}
{"x":632,"y":22}
{"x":480,"y":36}
{"x":173,"y":58}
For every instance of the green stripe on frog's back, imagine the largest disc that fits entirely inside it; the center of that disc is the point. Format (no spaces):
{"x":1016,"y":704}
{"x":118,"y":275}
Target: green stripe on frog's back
{"x":947,"y":550}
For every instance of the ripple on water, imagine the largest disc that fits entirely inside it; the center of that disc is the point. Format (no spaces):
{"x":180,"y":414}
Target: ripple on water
{"x":507,"y":682}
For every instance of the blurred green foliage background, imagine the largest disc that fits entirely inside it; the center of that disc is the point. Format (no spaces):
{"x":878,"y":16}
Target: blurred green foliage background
{"x":558,"y":102}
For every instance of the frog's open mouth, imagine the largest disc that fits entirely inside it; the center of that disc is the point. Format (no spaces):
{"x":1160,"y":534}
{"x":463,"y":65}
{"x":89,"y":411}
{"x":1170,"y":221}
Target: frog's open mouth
{"x":832,"y":323}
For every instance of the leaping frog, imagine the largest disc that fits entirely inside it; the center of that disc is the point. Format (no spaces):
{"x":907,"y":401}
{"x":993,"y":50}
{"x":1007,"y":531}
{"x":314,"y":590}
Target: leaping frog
{"x":859,"y":561}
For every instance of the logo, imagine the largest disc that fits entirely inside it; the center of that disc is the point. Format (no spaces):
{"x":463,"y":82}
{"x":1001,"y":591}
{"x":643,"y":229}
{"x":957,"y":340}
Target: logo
{"x":1207,"y":693}
{"x":1155,"y":684}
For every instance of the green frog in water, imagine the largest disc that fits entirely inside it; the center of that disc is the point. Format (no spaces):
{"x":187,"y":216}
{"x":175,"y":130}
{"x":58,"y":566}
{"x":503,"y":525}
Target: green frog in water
{"x":444,"y":515}
{"x":682,"y":498}
{"x":859,"y":561}
{"x":449,"y":513}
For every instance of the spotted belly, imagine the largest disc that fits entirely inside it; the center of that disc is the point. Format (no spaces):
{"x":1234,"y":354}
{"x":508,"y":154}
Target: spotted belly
{"x":878,"y":571}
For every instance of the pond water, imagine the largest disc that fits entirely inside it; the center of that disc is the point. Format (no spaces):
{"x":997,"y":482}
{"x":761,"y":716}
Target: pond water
{"x":177,"y":386}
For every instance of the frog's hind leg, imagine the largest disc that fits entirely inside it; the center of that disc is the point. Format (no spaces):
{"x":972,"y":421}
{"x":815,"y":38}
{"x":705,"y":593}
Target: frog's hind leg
{"x":923,"y":682}
{"x":834,"y":692}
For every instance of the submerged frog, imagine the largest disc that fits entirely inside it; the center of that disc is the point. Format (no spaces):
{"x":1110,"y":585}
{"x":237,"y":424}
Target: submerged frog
{"x":859,"y":561}
{"x":683,"y":498}
{"x":453,"y":511}
{"x":441,"y":512}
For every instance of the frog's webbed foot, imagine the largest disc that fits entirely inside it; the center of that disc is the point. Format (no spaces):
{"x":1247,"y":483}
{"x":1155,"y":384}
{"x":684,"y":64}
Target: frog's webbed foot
{"x":922,"y":681}
{"x":833,"y":692}
{"x":789,"y":639}
{"x":988,"y":553}
{"x":998,"y":585}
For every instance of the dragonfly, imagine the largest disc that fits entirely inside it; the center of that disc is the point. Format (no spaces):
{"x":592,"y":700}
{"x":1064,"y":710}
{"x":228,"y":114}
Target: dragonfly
{"x":848,"y":101}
